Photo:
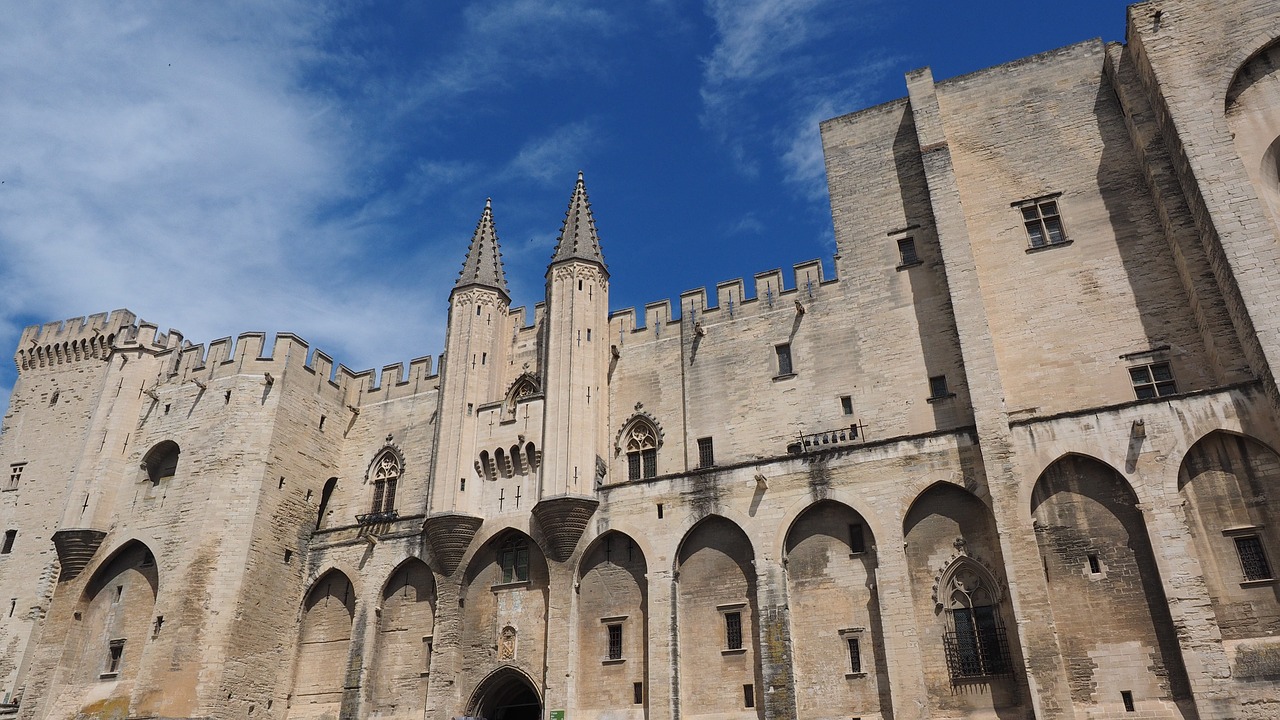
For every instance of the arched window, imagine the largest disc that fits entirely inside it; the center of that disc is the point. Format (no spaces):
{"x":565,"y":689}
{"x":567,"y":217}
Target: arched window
{"x":513,"y":560}
{"x":385,"y":475}
{"x":976,"y":643}
{"x":161,"y":461}
{"x":642,"y":450}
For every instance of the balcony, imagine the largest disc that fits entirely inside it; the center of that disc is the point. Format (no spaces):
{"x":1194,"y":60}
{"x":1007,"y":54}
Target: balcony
{"x":375,"y":518}
{"x":810,"y":442}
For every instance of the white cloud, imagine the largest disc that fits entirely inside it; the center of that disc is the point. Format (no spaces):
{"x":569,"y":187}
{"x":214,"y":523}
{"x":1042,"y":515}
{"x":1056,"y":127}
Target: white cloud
{"x":167,"y":158}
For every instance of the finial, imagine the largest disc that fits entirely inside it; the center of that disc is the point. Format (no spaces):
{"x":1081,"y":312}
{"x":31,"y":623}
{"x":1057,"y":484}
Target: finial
{"x":579,"y":176}
{"x":488,"y":203}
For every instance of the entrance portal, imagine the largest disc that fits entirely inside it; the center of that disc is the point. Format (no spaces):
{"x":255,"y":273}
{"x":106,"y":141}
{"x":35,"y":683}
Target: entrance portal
{"x":506,"y":695}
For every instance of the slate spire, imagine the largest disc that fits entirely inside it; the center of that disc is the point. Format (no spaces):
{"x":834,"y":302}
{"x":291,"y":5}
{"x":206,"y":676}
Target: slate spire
{"x":483,"y":265}
{"x":578,"y":239}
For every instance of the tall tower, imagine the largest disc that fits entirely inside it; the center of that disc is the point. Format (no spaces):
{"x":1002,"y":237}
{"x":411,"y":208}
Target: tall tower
{"x":575,"y":365}
{"x":470,"y":375}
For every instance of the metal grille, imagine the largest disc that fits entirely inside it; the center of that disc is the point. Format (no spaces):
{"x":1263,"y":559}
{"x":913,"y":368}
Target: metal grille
{"x":976,"y":652}
{"x":855,"y":656}
{"x":706,"y":453}
{"x":615,"y":642}
{"x":1253,"y":559}
{"x":733,"y":630}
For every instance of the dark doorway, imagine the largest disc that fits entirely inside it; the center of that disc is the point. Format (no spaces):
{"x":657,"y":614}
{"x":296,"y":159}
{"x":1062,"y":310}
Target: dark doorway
{"x":506,"y":695}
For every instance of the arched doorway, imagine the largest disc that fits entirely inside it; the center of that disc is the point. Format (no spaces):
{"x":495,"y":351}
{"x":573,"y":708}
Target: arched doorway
{"x":506,"y":695}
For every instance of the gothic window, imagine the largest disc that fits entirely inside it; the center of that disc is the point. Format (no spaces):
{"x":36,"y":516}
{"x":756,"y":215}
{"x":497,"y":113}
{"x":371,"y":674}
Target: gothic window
{"x":385,"y":476}
{"x":975,"y":641}
{"x":513,"y":561}
{"x":642,"y":451}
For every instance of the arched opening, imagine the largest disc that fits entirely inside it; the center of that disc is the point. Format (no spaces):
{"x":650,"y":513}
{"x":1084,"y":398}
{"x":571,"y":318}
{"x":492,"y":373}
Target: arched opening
{"x":324,"y":644}
{"x":836,"y":632}
{"x":1253,"y":114}
{"x":507,"y":694}
{"x":516,"y":463}
{"x":405,"y":641}
{"x":1225,"y":482}
{"x":116,"y":617}
{"x":1113,"y":622}
{"x":161,"y":461}
{"x":385,"y":475}
{"x":612,"y":626}
{"x":947,"y":529}
{"x":717,"y":619}
{"x":504,"y":605}
{"x":640,"y":440}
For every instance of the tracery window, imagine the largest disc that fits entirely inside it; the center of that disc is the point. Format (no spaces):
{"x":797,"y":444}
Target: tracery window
{"x":385,"y":475}
{"x":976,"y":643}
{"x":513,"y":561}
{"x":642,"y":451}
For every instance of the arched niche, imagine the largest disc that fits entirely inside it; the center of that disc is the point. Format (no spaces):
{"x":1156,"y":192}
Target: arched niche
{"x":117,"y":617}
{"x":836,"y":632}
{"x":324,"y":644}
{"x":946,"y":529}
{"x":717,"y":617}
{"x":1114,"y":627}
{"x":326,"y":494}
{"x":406,"y":623}
{"x":1227,"y":483}
{"x":161,"y":461}
{"x":1253,"y":114}
{"x":504,"y":606}
{"x":613,"y":627}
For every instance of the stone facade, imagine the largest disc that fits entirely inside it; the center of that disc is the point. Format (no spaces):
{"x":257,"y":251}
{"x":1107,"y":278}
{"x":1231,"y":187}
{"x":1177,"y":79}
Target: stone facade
{"x":1016,"y":461}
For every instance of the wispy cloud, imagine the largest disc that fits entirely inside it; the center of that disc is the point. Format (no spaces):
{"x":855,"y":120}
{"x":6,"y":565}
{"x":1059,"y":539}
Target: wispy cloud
{"x":766,"y":85}
{"x":173,"y":161}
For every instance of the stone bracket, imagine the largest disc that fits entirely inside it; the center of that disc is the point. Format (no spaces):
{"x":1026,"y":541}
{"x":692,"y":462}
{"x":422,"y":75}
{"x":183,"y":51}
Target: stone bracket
{"x":76,"y":547}
{"x":449,"y":534}
{"x":563,"y":519}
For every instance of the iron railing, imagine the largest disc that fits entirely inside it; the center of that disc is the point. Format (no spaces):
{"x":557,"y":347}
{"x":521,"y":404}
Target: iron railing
{"x":374,"y":518}
{"x":808,"y":442}
{"x":972,"y":656}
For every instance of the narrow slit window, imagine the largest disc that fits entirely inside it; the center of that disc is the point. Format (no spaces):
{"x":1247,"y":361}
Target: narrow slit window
{"x":749,"y":695}
{"x":855,"y":655}
{"x":9,"y":537}
{"x":637,"y":693}
{"x":706,"y":453}
{"x":1094,"y":566}
{"x":1126,"y":696}
{"x":115,"y":657}
{"x":784,"y":359}
{"x":857,"y":541}
{"x":846,"y":405}
{"x":15,"y":475}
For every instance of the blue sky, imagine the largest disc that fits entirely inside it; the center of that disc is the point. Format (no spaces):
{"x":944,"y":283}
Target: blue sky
{"x":318,"y":168}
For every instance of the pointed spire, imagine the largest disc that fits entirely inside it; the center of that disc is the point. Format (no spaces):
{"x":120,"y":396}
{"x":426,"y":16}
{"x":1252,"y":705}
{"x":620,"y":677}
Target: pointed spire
{"x":578,"y":239}
{"x":483,"y":265}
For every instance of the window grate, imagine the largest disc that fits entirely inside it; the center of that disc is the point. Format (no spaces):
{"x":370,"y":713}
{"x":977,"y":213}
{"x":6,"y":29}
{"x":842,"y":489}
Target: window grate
{"x":706,"y":453}
{"x":733,"y":631}
{"x":977,"y":649}
{"x":1253,"y":559}
{"x":855,"y":656}
{"x":907,"y":252}
{"x":615,"y":642}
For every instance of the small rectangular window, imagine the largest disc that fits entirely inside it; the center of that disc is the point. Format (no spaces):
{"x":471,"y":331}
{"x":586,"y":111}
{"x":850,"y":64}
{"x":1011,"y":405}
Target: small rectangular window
{"x":857,"y":542}
{"x":1094,"y":566}
{"x":706,"y":453}
{"x":938,"y":387}
{"x":427,"y":647}
{"x":659,"y":511}
{"x":1043,"y":223}
{"x":637,"y":693}
{"x":15,"y":475}
{"x":784,"y":359}
{"x":733,"y":631}
{"x":1253,"y":558}
{"x":907,"y":252}
{"x":855,"y":655}
{"x":9,"y":537}
{"x":846,"y":405}
{"x":1126,"y":696}
{"x":1154,"y":380}
{"x":749,"y":695}
{"x":115,"y":657}
{"x":615,"y":641}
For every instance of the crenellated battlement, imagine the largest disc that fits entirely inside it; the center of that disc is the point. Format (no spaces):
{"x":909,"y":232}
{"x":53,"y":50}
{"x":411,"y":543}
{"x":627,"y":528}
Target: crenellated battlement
{"x":731,"y":303}
{"x":73,"y":340}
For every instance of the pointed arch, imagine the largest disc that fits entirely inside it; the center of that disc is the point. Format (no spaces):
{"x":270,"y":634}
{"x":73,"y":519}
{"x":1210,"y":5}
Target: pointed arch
{"x":405,"y":639}
{"x":115,"y":610}
{"x":717,"y":608}
{"x":1107,"y":600}
{"x":829,"y":554}
{"x":504,"y":688}
{"x":612,"y":622}
{"x":326,"y":495}
{"x":324,"y":642}
{"x":1224,"y":481}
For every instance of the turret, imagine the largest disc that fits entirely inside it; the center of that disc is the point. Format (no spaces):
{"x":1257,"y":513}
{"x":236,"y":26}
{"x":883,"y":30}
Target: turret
{"x":470,"y":374}
{"x":575,"y":378}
